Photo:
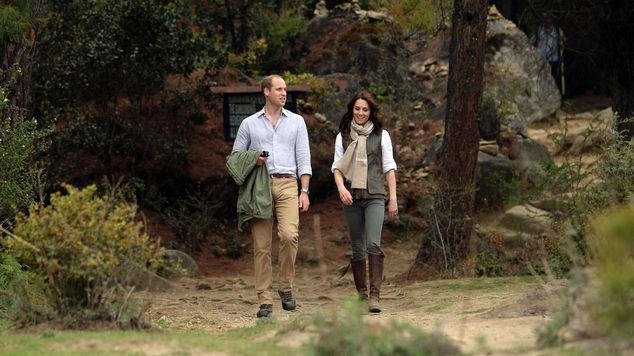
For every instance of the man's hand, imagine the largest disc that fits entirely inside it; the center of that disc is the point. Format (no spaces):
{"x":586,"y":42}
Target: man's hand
{"x":261,"y":160}
{"x":304,"y":202}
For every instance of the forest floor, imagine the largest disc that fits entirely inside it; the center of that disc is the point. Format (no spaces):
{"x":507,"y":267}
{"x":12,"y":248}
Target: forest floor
{"x":223,"y":297}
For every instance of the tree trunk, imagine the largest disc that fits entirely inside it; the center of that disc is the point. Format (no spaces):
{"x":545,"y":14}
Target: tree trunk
{"x":445,"y":244}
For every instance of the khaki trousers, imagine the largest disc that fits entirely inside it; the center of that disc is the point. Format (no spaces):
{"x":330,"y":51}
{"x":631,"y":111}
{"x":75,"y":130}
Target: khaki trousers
{"x":286,"y":211}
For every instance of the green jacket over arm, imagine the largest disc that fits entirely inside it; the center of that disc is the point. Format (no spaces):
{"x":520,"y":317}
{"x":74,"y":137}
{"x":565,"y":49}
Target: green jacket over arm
{"x":254,"y":195}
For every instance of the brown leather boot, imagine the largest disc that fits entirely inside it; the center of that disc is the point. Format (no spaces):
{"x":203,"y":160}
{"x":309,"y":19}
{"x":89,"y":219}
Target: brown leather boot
{"x":376,"y":277}
{"x":360,"y":278}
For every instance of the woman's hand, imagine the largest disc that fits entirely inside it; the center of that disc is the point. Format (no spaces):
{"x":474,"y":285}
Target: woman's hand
{"x":345,"y":196}
{"x":392,"y":208}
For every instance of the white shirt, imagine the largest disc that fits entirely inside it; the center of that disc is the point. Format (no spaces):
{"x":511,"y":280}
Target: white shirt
{"x":287,"y":142}
{"x":386,"y":151}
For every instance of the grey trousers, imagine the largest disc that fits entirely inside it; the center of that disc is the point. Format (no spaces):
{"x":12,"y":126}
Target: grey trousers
{"x":365,"y":223}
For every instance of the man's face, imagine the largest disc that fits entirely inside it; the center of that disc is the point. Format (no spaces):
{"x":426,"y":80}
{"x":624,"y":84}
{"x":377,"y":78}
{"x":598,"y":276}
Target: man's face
{"x":277,"y":94}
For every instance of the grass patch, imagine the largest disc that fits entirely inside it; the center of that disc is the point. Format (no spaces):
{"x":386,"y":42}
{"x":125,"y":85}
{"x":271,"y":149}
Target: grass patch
{"x":471,"y":284}
{"x":245,"y":341}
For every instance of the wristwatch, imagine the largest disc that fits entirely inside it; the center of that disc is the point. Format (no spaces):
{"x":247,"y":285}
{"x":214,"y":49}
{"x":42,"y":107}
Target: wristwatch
{"x":305,"y":191}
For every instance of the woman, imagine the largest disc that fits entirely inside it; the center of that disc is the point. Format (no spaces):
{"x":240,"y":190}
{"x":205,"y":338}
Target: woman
{"x":363,"y":155}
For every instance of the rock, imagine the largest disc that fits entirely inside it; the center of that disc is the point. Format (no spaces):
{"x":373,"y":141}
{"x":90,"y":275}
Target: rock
{"x":538,"y":301}
{"x":182,"y":259}
{"x":321,"y":10}
{"x":489,"y":147}
{"x":529,"y":219}
{"x":518,"y":77}
{"x":352,"y":55}
{"x":489,"y":123}
{"x":529,"y":158}
{"x":582,"y":297}
{"x":320,"y":117}
{"x":493,"y":174}
{"x":431,"y":154}
{"x":143,"y":279}
{"x":549,"y":203}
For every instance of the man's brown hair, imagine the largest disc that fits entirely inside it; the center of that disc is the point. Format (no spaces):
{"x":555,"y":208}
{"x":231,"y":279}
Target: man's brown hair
{"x":267,"y":82}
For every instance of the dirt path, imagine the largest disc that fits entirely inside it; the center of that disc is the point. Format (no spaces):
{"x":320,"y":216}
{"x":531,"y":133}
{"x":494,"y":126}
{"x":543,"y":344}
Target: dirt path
{"x":457,"y":308}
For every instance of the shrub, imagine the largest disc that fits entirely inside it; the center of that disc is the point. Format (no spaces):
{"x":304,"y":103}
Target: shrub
{"x":20,"y":148}
{"x":612,"y":245}
{"x":346,"y":333}
{"x":77,"y":246}
{"x":22,"y":297}
{"x":412,"y":16}
{"x":611,"y":311}
{"x":320,"y":89}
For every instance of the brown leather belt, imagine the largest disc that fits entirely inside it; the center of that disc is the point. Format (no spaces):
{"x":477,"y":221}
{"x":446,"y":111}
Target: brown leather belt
{"x":282,"y":175}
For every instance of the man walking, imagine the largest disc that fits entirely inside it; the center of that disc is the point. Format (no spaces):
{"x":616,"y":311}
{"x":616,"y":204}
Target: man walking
{"x":284,"y":136}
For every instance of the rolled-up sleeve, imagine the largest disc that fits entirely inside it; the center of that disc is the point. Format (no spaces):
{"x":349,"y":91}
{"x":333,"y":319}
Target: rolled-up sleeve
{"x":242,"y":140}
{"x":302,"y":150}
{"x":338,"y":151}
{"x":387,"y":152}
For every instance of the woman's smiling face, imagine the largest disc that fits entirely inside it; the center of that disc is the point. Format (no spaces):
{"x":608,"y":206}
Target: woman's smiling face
{"x":361,"y":111}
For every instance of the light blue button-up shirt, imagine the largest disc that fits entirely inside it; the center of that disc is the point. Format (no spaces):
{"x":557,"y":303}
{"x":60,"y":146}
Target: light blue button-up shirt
{"x":287,"y":143}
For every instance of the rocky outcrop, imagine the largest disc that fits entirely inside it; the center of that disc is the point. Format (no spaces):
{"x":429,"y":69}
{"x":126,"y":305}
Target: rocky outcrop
{"x":353,"y":54}
{"x":518,"y":77}
{"x":518,"y":83}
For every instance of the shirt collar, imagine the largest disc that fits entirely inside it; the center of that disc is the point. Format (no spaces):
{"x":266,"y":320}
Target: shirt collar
{"x":284,"y":112}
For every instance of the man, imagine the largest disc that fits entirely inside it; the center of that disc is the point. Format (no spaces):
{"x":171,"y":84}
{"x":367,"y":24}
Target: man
{"x":549,"y":40}
{"x":284,"y":135}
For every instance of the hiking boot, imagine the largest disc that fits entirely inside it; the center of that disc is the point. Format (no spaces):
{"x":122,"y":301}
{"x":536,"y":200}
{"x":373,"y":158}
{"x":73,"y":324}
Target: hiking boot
{"x":360,"y":278}
{"x":376,"y":277}
{"x":288,"y":302}
{"x":265,"y":311}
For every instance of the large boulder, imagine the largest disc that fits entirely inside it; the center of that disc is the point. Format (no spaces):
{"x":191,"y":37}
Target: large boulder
{"x":517,"y":79}
{"x":517,"y":76}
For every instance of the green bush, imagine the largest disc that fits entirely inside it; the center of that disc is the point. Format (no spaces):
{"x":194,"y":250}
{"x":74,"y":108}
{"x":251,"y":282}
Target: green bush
{"x":77,"y":245}
{"x":14,"y":23}
{"x":20,"y":148}
{"x":22,"y":296}
{"x":346,"y":333}
{"x":612,"y":245}
{"x":413,"y":16}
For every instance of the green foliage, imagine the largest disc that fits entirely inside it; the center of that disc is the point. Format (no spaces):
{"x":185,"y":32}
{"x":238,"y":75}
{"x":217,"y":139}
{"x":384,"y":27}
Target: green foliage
{"x":412,"y":16}
{"x":346,"y":333}
{"x":193,"y":217}
{"x":14,"y":23}
{"x":588,"y":191}
{"x":612,"y":244}
{"x":106,"y":50}
{"x":77,"y":246}
{"x":20,"y":149}
{"x":382,"y":93}
{"x":320,"y":90}
{"x":22,"y":294}
{"x":103,"y":81}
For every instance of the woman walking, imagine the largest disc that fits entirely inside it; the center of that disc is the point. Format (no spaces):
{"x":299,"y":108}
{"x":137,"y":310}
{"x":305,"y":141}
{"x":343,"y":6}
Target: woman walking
{"x":363,"y":162}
